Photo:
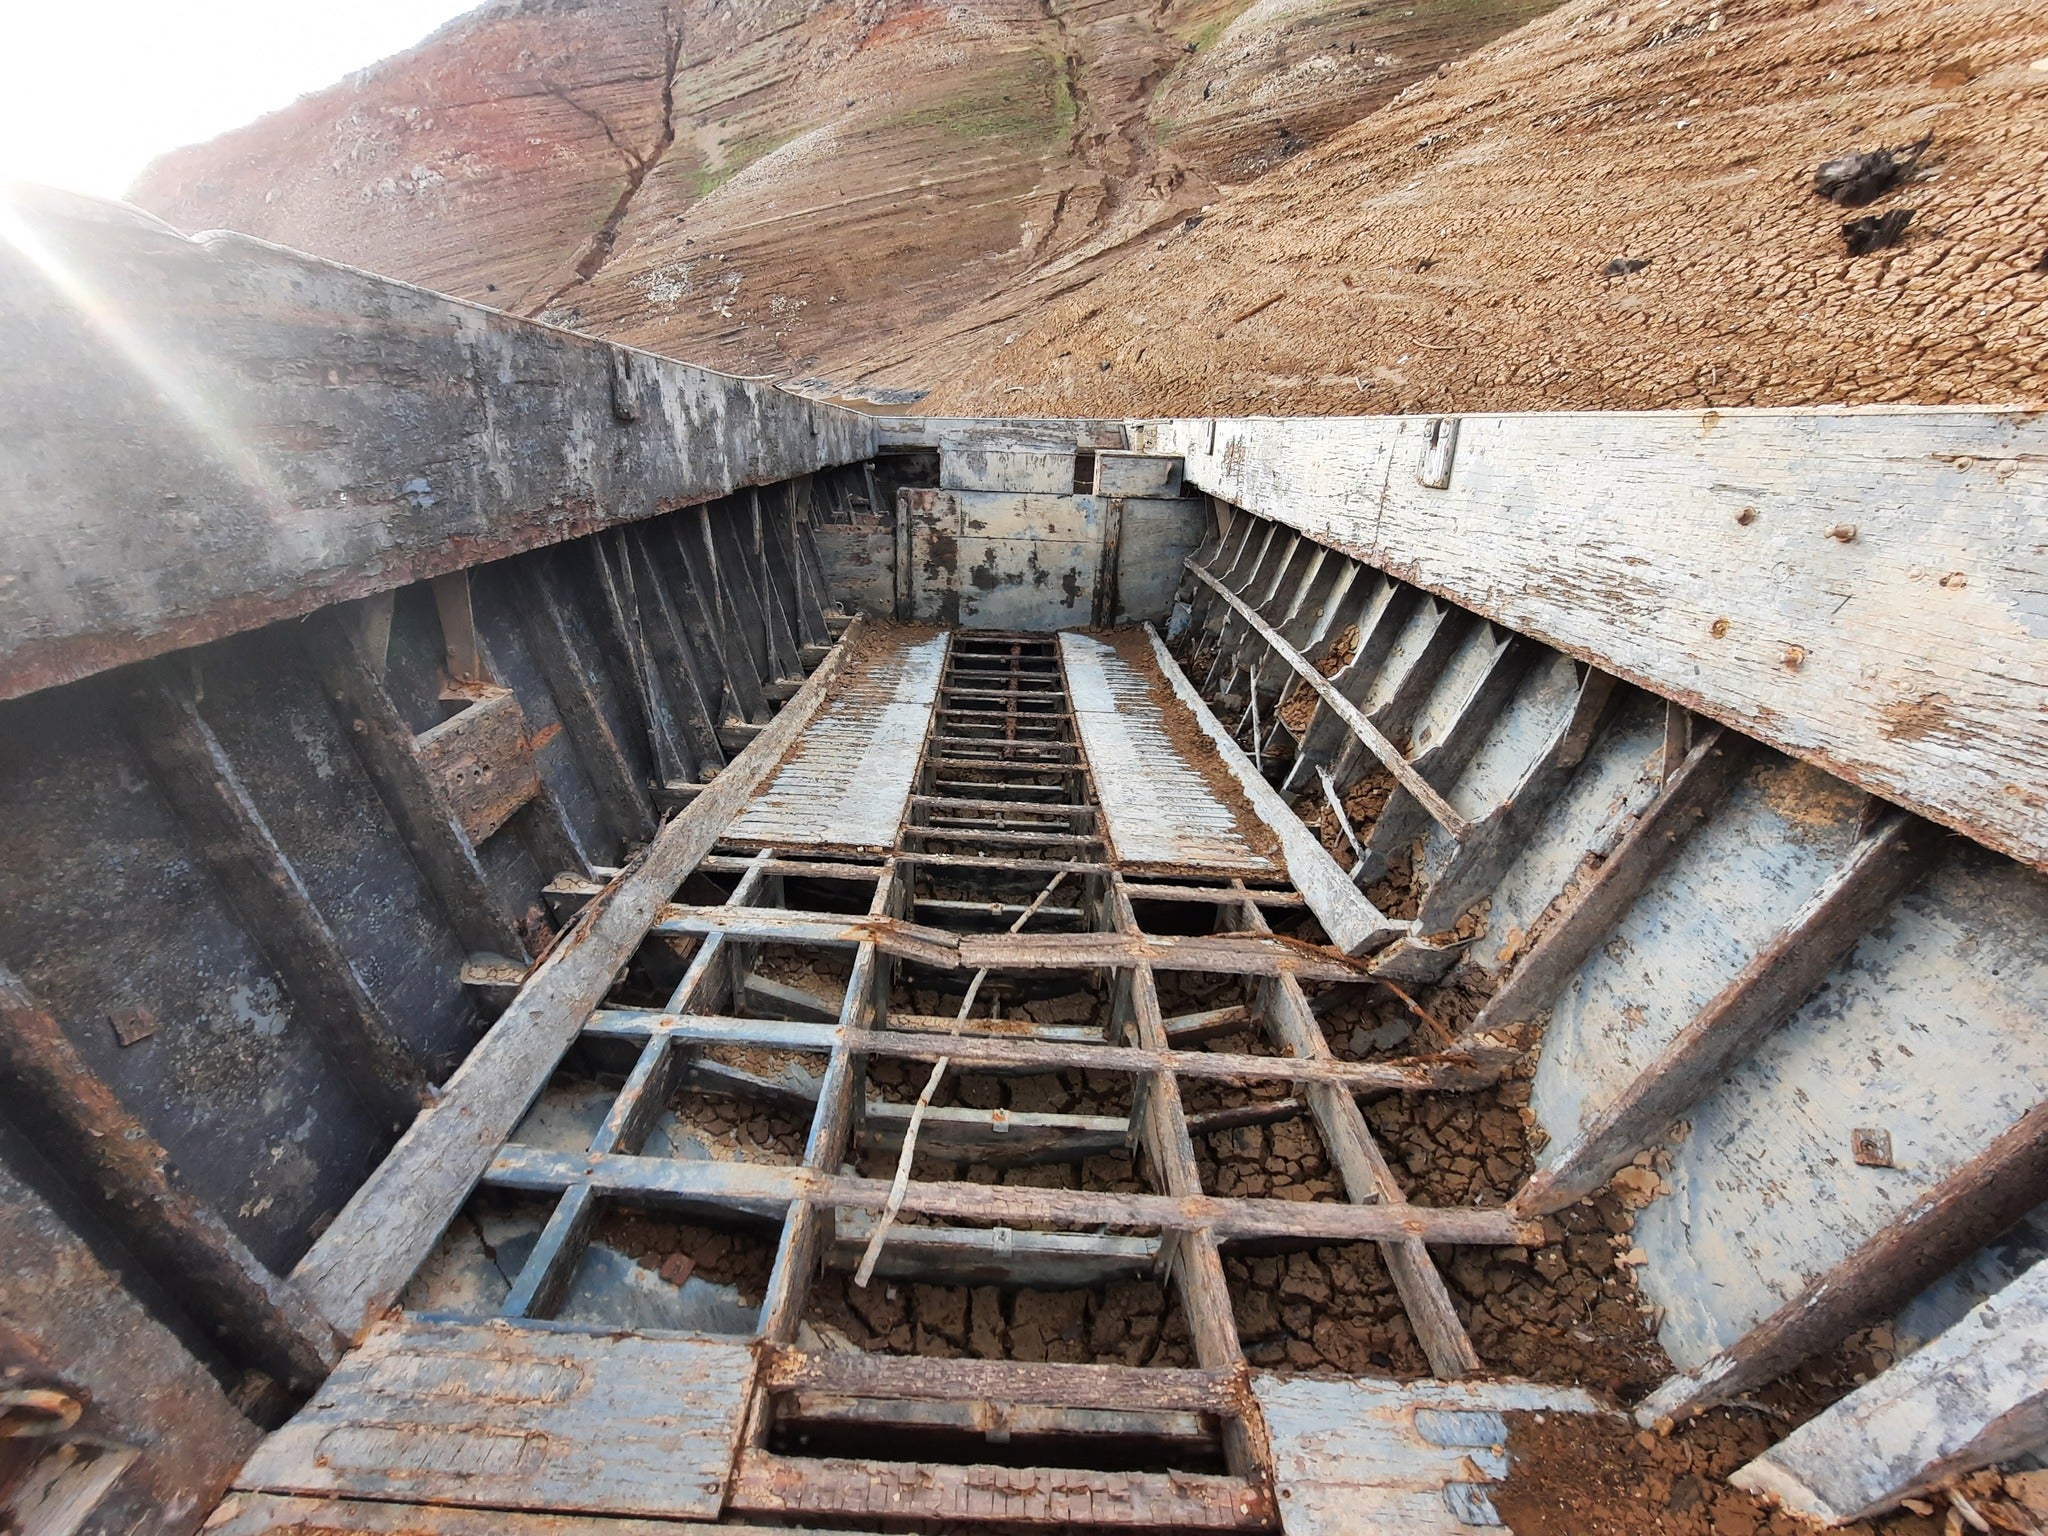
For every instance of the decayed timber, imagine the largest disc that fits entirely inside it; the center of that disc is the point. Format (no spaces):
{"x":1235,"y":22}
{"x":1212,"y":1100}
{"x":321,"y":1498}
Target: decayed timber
{"x":493,"y":1414}
{"x":1353,"y":923}
{"x":197,"y":778}
{"x":1688,"y":798}
{"x":426,"y":819}
{"x":1736,"y":1021}
{"x":361,"y":1262}
{"x":255,"y":1315}
{"x":860,"y":1374}
{"x":823,"y":1487}
{"x":1967,"y":1209}
{"x":68,"y":1324}
{"x":1643,"y":544}
{"x":1457,"y":1070}
{"x":765,"y":1189}
{"x":292,"y":440}
{"x":1977,"y":1394}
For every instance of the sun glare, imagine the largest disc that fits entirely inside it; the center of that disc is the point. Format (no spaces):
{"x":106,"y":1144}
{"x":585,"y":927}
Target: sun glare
{"x":89,"y":95}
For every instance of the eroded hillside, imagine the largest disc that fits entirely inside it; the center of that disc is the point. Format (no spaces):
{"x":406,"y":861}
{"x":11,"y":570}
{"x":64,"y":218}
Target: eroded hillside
{"x":1612,"y":207}
{"x":800,"y":189}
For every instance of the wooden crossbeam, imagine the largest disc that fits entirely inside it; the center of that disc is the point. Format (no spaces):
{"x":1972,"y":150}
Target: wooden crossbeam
{"x":765,"y":1189}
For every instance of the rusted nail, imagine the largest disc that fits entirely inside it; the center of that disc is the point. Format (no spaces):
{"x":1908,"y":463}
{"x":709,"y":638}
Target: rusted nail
{"x":1872,"y":1148}
{"x":1955,"y":580}
{"x":1843,"y":532}
{"x":1746,"y":516}
{"x":1794,"y":655}
{"x":1718,"y":628}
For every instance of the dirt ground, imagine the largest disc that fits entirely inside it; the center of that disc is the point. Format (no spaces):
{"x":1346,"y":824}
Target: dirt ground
{"x":1611,"y":208}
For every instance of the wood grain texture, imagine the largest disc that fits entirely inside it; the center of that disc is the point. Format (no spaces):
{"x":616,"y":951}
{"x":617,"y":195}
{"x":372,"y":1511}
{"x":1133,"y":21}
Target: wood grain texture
{"x":495,"y":1414}
{"x":1051,"y":1496}
{"x":1353,"y":923}
{"x":364,"y":1259}
{"x":484,"y":761}
{"x":1695,"y":553}
{"x":204,"y":436}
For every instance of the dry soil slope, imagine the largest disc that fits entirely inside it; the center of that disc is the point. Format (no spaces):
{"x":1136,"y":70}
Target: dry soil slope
{"x":1451,"y":252}
{"x":801,"y":187}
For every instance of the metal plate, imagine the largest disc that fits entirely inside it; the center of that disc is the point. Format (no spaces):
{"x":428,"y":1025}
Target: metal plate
{"x":847,"y":783}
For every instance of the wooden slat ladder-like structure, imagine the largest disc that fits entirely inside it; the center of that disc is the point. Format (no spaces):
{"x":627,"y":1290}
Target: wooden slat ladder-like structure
{"x":998,"y":821}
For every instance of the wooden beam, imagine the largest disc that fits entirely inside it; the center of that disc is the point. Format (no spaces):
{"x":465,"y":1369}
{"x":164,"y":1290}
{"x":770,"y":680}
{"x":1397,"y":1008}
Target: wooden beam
{"x":1369,"y":735}
{"x":622,"y":793}
{"x":1975,"y":1395}
{"x":914,"y":1379}
{"x":766,"y":1189}
{"x":827,"y":1487}
{"x":207,"y":794}
{"x":1969,"y":1208}
{"x":1453,"y":1071}
{"x":1635,"y":541}
{"x":1355,"y":1154}
{"x":1761,"y":996}
{"x":255,"y":1317}
{"x":482,"y":758}
{"x":432,"y":833}
{"x":1688,"y":798}
{"x":69,"y":1324}
{"x":1240,"y":954}
{"x":1353,"y":923}
{"x":408,"y":479}
{"x":359,"y":1265}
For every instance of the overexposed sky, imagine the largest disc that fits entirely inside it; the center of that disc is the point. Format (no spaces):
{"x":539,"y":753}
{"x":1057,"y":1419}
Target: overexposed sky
{"x":92,"y":90}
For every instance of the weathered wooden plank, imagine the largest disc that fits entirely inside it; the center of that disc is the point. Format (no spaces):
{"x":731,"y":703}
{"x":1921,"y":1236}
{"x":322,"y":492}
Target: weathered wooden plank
{"x":1452,"y":1072}
{"x":1369,"y":735}
{"x":1241,"y":954}
{"x":849,"y":779}
{"x":359,"y":1265}
{"x":270,"y":1514}
{"x":1967,"y":1209}
{"x":1975,"y":1395}
{"x":572,"y":681}
{"x":1156,"y":807}
{"x":192,"y":769}
{"x":330,"y":459}
{"x":254,"y":1315}
{"x":1353,"y":923}
{"x":1688,"y":798}
{"x":1418,"y":1457}
{"x":494,"y":1414}
{"x":1753,"y":1003}
{"x":944,"y":1255}
{"x":483,"y":761}
{"x":1861,"y":589}
{"x":1291,"y":1025}
{"x":860,"y":1374}
{"x":69,"y":1323}
{"x":425,"y":821}
{"x":765,"y":1188}
{"x":764,"y":1484}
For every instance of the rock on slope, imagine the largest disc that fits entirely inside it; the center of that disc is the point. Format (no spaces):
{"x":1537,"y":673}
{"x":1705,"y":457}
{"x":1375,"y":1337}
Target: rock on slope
{"x":1468,"y":247}
{"x":800,"y":187}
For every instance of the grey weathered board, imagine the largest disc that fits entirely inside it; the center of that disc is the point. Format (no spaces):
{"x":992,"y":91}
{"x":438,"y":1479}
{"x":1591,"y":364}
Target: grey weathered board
{"x":848,"y":781}
{"x":1159,"y":812}
{"x":496,"y":1415}
{"x":202,"y":436}
{"x":1417,"y":1457}
{"x":1866,"y":589}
